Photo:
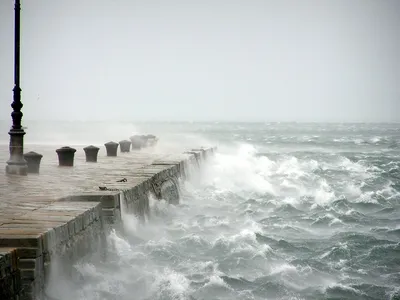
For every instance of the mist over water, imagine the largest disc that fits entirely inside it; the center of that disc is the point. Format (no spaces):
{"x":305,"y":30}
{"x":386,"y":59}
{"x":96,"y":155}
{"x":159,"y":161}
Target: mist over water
{"x":283,"y":211}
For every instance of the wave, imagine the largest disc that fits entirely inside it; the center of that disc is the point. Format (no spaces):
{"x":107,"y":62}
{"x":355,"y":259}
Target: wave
{"x":288,"y":210}
{"x":282,"y":245}
{"x":390,"y":252}
{"x":327,"y":220}
{"x":340,"y":291}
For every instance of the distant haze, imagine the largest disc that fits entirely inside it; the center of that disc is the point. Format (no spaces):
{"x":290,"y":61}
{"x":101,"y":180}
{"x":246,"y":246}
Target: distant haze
{"x":227,"y":60}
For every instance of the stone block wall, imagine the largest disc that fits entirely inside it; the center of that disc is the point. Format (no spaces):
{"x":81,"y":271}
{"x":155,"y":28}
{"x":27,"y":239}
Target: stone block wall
{"x":161,"y":179}
{"x":109,"y":200}
{"x":60,"y":231}
{"x":10,"y":277}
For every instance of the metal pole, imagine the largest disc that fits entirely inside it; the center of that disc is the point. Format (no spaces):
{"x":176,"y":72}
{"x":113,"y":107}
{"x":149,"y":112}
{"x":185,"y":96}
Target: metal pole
{"x":16,"y":165}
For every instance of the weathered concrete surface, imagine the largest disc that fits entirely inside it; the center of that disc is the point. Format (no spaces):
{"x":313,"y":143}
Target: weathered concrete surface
{"x":60,"y":214}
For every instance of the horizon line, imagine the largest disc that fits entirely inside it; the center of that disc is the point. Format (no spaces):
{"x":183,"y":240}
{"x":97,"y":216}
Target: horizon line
{"x":210,"y":121}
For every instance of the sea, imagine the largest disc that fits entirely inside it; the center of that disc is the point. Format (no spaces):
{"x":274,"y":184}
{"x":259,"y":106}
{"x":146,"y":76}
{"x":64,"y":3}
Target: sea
{"x":282,"y":211}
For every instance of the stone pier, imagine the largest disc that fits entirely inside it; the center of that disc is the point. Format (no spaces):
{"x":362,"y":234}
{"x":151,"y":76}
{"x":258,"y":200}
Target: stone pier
{"x":63,"y":213}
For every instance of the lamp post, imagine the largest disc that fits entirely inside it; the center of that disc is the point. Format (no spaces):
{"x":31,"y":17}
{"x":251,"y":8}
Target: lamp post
{"x":16,"y":165}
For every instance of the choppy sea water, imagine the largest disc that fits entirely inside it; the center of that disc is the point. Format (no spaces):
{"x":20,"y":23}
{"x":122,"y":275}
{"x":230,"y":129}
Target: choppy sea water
{"x":283,"y":211}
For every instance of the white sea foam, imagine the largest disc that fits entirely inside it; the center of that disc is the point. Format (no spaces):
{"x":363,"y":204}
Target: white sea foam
{"x":171,"y":284}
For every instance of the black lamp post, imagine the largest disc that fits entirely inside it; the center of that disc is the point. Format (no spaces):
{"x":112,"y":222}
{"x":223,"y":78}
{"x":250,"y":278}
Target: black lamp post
{"x":16,"y":165}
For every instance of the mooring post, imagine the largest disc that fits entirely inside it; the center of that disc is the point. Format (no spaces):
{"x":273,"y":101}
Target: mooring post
{"x":17,"y":165}
{"x":125,"y":146}
{"x":111,"y":148}
{"x":136,"y":142}
{"x":33,"y":160}
{"x":91,"y":153}
{"x":66,"y":156}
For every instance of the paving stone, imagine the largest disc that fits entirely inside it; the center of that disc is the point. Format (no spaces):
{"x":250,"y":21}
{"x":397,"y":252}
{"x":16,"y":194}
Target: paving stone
{"x":28,"y":274}
{"x":28,"y":263}
{"x":28,"y":252}
{"x":8,"y":261}
{"x":108,"y":199}
{"x":7,"y":288}
{"x":58,"y":235}
{"x":21,"y":239}
{"x":78,"y":223}
{"x":111,"y":212}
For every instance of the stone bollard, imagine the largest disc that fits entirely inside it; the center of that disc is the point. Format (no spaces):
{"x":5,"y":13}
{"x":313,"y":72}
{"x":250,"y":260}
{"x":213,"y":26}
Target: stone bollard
{"x":33,"y":160}
{"x":66,"y":156}
{"x":151,"y":140}
{"x":91,"y":153}
{"x":202,"y":152}
{"x":136,"y":142}
{"x":111,"y":148}
{"x":145,"y":141}
{"x":125,"y":146}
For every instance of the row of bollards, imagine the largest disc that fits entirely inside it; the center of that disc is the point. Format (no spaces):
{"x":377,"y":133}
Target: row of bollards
{"x":66,"y":154}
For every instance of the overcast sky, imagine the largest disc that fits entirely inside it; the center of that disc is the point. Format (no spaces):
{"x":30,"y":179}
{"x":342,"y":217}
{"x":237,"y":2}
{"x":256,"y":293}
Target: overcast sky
{"x":308,"y":60}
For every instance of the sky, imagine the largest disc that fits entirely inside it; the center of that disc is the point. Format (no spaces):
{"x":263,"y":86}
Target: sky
{"x":209,"y":60}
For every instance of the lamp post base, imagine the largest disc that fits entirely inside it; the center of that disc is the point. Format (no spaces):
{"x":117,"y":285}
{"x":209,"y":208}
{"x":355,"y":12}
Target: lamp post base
{"x":17,"y":165}
{"x":17,"y":170}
